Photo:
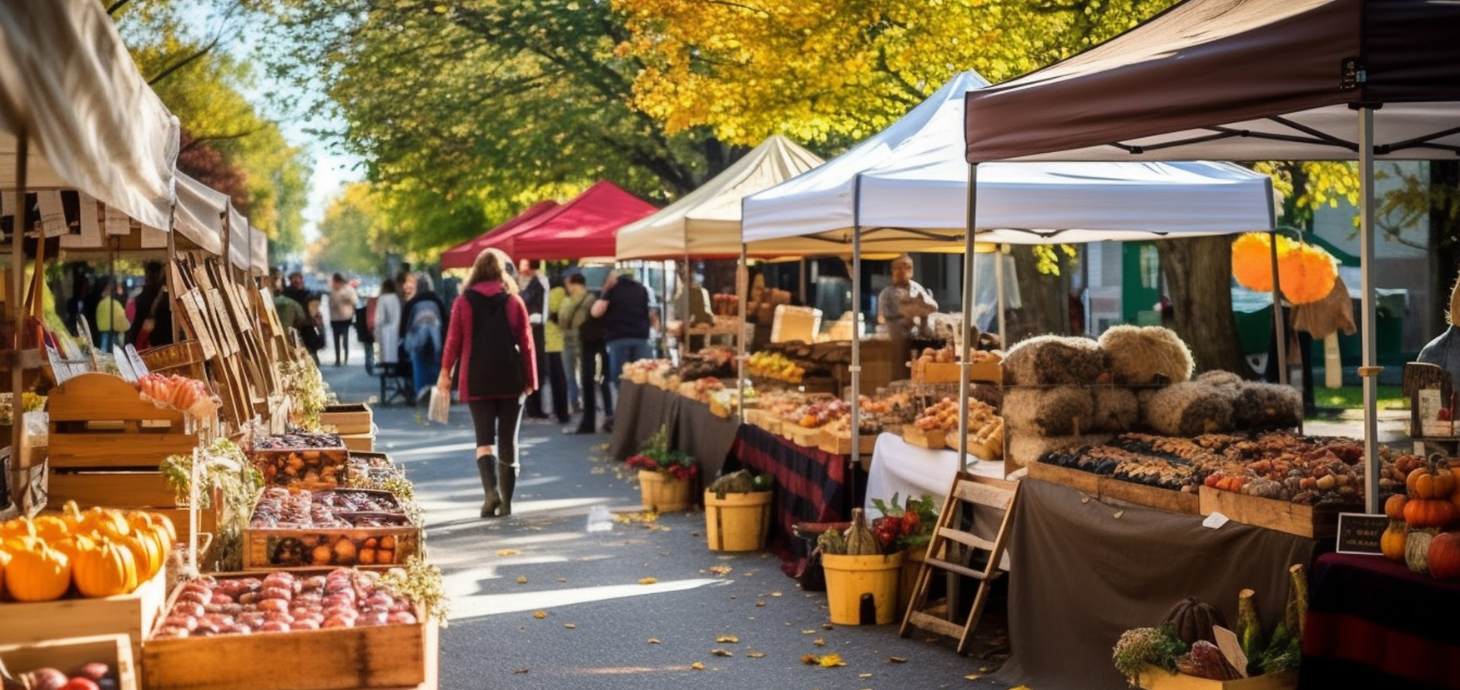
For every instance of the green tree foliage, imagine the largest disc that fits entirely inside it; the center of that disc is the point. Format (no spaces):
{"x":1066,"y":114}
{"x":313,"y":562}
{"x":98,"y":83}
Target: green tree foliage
{"x":353,"y":235}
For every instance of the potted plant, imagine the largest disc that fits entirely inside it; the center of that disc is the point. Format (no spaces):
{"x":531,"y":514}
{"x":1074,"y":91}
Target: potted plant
{"x":738,"y":512}
{"x":906,"y":526}
{"x":665,"y":476}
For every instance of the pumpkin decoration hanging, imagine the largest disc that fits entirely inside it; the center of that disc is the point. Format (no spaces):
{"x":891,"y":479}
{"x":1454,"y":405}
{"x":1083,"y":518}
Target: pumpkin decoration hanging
{"x":1252,"y":259}
{"x":1307,"y":272}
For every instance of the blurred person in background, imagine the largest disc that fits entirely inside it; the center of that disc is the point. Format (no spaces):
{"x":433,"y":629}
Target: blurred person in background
{"x":387,"y":323}
{"x":342,"y":316}
{"x":111,"y":316}
{"x":422,"y":323}
{"x":533,"y":290}
{"x":553,"y":349}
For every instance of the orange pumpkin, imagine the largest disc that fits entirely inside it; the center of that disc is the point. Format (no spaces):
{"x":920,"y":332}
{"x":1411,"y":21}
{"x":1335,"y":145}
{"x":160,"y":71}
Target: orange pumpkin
{"x":71,"y":515}
{"x":1429,"y":512}
{"x":160,"y":523}
{"x":72,"y":546}
{"x":147,"y":553}
{"x":19,"y":527}
{"x":1392,"y":541}
{"x":104,"y":521}
{"x":104,"y":570}
{"x":1430,"y":482}
{"x":1394,"y":507}
{"x":1444,"y":556}
{"x":50,"y":528}
{"x":38,"y":573}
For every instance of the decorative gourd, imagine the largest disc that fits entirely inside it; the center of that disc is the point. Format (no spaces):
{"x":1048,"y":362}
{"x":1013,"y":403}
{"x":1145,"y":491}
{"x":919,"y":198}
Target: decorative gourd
{"x":38,"y":573}
{"x":860,"y":539}
{"x":158,"y":521}
{"x":105,"y":570}
{"x":740,"y":482}
{"x":1392,"y":541}
{"x":1430,"y":482}
{"x":1444,"y":556}
{"x":1249,"y":626}
{"x":1394,"y":507}
{"x":832,"y":542}
{"x":1417,"y":549}
{"x":1205,"y":660}
{"x":1192,"y":619}
{"x":1429,"y":512}
{"x":107,"y":523}
{"x":71,"y":514}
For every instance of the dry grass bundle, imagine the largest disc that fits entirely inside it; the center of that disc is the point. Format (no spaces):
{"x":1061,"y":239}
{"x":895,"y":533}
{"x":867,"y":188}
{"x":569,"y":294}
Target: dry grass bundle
{"x":1026,"y":449}
{"x":1220,"y":378}
{"x":1187,"y":409}
{"x":1266,"y":406}
{"x":1116,"y":409}
{"x":1057,"y":411}
{"x":1145,"y":355}
{"x":1051,"y":360}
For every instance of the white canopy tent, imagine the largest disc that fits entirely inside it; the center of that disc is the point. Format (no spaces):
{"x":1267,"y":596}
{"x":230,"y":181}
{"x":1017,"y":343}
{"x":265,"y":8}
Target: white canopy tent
{"x":706,"y":222}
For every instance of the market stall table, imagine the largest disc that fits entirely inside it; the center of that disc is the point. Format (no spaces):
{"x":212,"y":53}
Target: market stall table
{"x":640,"y":410}
{"x":643,"y":408}
{"x":1373,"y":623}
{"x":811,"y":486}
{"x":704,"y":435}
{"x":1085,"y":570}
{"x":899,"y":467}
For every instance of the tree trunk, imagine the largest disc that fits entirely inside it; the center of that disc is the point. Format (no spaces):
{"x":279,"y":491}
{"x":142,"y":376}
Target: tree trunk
{"x":1044,"y":299}
{"x":1444,"y":242}
{"x":1198,"y":274}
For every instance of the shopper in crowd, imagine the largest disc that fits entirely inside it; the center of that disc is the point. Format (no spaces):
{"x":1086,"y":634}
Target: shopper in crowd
{"x":387,"y":323}
{"x":311,"y":330}
{"x":111,"y":316}
{"x":699,"y":313}
{"x":533,"y":289}
{"x":153,"y":325}
{"x":553,"y":348}
{"x":624,"y":307}
{"x":573,"y":298}
{"x":342,"y":316}
{"x":421,"y":330}
{"x":592,"y":356}
{"x":490,"y":338}
{"x":903,"y":303}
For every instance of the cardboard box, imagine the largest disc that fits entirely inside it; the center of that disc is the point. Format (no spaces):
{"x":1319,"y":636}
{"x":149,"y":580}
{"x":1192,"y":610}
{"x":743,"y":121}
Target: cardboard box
{"x":795,"y":323}
{"x":348,"y":419}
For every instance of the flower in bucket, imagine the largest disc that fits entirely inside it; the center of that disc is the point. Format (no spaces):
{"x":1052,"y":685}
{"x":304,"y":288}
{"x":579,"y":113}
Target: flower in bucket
{"x":906,"y":525}
{"x":655,"y":456}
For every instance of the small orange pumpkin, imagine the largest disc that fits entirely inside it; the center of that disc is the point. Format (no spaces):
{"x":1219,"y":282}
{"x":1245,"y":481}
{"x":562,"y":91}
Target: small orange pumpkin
{"x":1392,"y":541}
{"x":50,"y":528}
{"x":105,"y":522}
{"x":18,"y":527}
{"x":71,"y":515}
{"x":158,"y":523}
{"x":104,"y":570}
{"x":1429,"y":512}
{"x":1394,"y":507}
{"x":1430,"y":482}
{"x":38,"y":573}
{"x":1444,"y":556}
{"x":147,"y":553}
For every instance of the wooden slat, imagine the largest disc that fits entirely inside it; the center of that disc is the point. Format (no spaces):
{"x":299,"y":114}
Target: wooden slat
{"x":983,"y":495}
{"x":935,"y":624}
{"x":142,"y":450}
{"x":960,"y":569}
{"x":124,"y":489}
{"x":965,"y":538}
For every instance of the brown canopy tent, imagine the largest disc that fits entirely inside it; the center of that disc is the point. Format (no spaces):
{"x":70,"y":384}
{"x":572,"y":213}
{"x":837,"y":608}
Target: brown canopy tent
{"x":1247,"y":80}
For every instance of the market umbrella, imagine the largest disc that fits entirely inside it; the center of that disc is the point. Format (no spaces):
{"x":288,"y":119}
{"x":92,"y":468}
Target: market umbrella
{"x":585,"y":226}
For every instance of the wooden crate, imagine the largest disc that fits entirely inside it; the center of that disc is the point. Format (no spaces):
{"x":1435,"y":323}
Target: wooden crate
{"x":1099,"y":486}
{"x":841,"y":444}
{"x":800,"y":435}
{"x":72,"y":653}
{"x":1317,"y":522}
{"x":383,"y":656}
{"x":949,"y":372}
{"x":1158,"y":679}
{"x":173,"y":356}
{"x":131,"y":615}
{"x":348,"y":419}
{"x":316,"y":468}
{"x":101,"y":421}
{"x":261,"y":545}
{"x":132,"y":491}
{"x":359,"y":442}
{"x":935,"y":439}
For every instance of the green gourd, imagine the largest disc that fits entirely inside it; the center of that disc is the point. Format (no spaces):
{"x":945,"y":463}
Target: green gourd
{"x":832,"y":542}
{"x":734,"y":483}
{"x":860,"y":539}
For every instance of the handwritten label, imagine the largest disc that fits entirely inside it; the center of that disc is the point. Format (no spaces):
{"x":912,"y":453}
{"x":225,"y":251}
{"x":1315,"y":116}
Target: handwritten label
{"x":53,"y":215}
{"x":192,"y":304}
{"x":1360,"y":533}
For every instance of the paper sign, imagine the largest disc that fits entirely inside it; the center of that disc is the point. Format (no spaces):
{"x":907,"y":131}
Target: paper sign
{"x":1360,"y":533}
{"x":124,"y":364}
{"x":138,"y":366}
{"x":89,"y":236}
{"x":53,"y":215}
{"x":1214,"y":521}
{"x":117,"y":223}
{"x":1231,"y":648}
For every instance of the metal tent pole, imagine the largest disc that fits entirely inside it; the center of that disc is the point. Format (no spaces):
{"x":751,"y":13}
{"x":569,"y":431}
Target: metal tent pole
{"x":855,"y":371}
{"x":17,"y":270}
{"x":742,"y":293}
{"x":970,"y":274}
{"x":1279,"y":323}
{"x":1369,"y":371}
{"x":999,"y":277}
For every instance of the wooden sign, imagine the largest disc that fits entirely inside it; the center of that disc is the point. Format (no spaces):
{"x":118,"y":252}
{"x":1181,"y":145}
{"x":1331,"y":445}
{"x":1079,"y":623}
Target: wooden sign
{"x":152,"y":238}
{"x":194,"y":306}
{"x":215,"y":300}
{"x":53,"y":215}
{"x":117,"y":223}
{"x":1360,"y":533}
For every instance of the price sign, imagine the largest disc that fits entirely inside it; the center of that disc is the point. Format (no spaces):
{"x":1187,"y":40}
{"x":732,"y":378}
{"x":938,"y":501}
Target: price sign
{"x":1360,"y":533}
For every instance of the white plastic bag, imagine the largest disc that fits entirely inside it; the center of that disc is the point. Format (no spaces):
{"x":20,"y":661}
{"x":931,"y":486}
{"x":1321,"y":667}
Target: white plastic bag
{"x":440,"y":405}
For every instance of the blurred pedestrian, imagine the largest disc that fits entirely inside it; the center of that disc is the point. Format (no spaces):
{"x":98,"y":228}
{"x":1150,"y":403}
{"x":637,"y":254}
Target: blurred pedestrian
{"x":153,"y":325}
{"x":534,"y":288}
{"x":421,"y":323}
{"x":575,"y":292}
{"x":311,"y":330}
{"x":553,"y":348}
{"x":592,"y":357}
{"x":342,"y":316}
{"x":387,"y":323}
{"x":624,"y":307}
{"x":111,"y":316}
{"x":490,"y":337}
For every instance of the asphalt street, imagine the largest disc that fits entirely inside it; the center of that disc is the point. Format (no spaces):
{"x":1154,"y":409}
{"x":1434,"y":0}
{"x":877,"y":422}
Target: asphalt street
{"x":537,"y":601}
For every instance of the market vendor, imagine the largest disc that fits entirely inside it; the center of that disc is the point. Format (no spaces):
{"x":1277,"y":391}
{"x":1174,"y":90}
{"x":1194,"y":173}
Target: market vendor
{"x":904,"y":304}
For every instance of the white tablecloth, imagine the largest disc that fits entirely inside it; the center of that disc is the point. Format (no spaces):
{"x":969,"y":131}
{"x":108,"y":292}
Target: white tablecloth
{"x":906,"y":469}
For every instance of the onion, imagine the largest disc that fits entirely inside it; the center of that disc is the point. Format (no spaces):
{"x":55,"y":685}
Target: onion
{"x":306,"y":624}
{"x":274,"y":626}
{"x":94,"y":671}
{"x":401,"y":618}
{"x":220,"y":598}
{"x":374,"y":618}
{"x":276,"y":592}
{"x":168,"y":631}
{"x":273,"y":605}
{"x":314,"y":582}
{"x":181,"y":621}
{"x":188,"y":608}
{"x":248,"y":598}
{"x":193,"y":596}
{"x":338,"y":622}
{"x":44,"y":679}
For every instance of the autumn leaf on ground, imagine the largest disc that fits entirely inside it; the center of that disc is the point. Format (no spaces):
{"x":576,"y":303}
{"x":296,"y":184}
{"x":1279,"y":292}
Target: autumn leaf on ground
{"x":775,"y":594}
{"x":721,"y":652}
{"x":648,"y":580}
{"x":897,"y":659}
{"x":697,"y":666}
{"x":760,"y":603}
{"x":831,"y":661}
{"x":653,"y":640}
{"x":562,"y":579}
{"x":571,"y":626}
{"x":809,"y":659}
{"x":720,"y":570}
{"x":508,"y":552}
{"x":819,"y":642}
{"x":520,"y":671}
{"x":808,"y":632}
{"x":727,"y":639}
{"x":521,"y":579}
{"x":756,"y":655}
{"x":828,"y":626}
{"x":657,"y":528}
{"x":539,"y":615}
{"x":864,"y":676}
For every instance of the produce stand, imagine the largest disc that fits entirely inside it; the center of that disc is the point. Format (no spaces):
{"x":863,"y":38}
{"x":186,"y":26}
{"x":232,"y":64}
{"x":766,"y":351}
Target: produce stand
{"x":129,"y":615}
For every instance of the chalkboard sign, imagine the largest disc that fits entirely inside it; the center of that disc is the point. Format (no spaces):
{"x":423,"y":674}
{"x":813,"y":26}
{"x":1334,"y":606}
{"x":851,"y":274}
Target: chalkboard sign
{"x":1360,"y":532}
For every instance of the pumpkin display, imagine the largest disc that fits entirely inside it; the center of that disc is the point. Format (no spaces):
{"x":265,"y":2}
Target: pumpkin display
{"x":105,"y":569}
{"x":143,"y":539}
{"x":1391,"y":543}
{"x":1443,"y":556}
{"x":1417,"y":549}
{"x":1429,"y":512}
{"x":1192,"y":619}
{"x":1430,"y":482}
{"x":37,"y":573}
{"x":1394,"y":506}
{"x":51,"y":528}
{"x":148,"y":554}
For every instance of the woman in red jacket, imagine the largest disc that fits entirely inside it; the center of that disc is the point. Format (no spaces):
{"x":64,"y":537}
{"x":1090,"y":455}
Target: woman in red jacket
{"x":490,"y":336}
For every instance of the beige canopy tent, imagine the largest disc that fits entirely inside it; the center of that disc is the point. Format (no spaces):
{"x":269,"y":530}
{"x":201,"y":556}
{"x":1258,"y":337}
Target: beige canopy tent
{"x":706,"y":222}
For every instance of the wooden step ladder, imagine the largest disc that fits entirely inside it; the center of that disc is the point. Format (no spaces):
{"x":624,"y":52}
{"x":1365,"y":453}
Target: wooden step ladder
{"x":952,"y":550}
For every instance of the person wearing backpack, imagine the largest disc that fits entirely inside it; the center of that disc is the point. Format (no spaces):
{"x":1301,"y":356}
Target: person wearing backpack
{"x":490,"y":337}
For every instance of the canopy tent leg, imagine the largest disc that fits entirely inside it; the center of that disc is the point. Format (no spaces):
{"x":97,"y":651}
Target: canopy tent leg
{"x":855,"y":371}
{"x":1003,"y":304}
{"x":17,"y":285}
{"x":685,"y":319}
{"x":970,"y":274}
{"x":1279,"y":324}
{"x":742,"y":292}
{"x":1369,"y":371}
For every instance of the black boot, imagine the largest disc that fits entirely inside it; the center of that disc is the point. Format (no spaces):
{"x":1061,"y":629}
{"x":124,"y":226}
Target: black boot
{"x":506,"y":481}
{"x":487,"y":468}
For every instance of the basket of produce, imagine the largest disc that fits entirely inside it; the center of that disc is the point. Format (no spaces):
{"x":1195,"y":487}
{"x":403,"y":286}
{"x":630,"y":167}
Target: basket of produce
{"x":296,"y":529}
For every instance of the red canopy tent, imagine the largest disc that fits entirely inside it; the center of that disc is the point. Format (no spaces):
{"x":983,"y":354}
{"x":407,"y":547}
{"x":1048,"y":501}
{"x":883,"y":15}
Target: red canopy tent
{"x":462,"y":255}
{"x":583,"y":227}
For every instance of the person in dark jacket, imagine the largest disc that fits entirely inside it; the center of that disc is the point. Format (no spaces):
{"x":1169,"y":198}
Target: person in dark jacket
{"x":153,"y":325}
{"x":534,"y":290}
{"x":490,"y":338}
{"x":421,"y":329}
{"x":624,"y":308}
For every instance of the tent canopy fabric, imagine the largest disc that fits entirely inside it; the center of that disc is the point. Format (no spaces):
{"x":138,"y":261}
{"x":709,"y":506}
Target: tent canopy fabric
{"x":260,"y":263}
{"x":706,"y":222}
{"x":93,"y":124}
{"x":200,"y":212}
{"x":582,"y":227}
{"x":912,"y":185}
{"x":462,"y":255}
{"x":1238,"y":80}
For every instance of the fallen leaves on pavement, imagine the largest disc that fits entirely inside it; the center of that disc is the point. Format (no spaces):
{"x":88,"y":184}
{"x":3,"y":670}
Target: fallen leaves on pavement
{"x":539,"y":615}
{"x":508,"y":552}
{"x":648,"y":580}
{"x":727,"y":639}
{"x":721,"y":652}
{"x":824,"y":661}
